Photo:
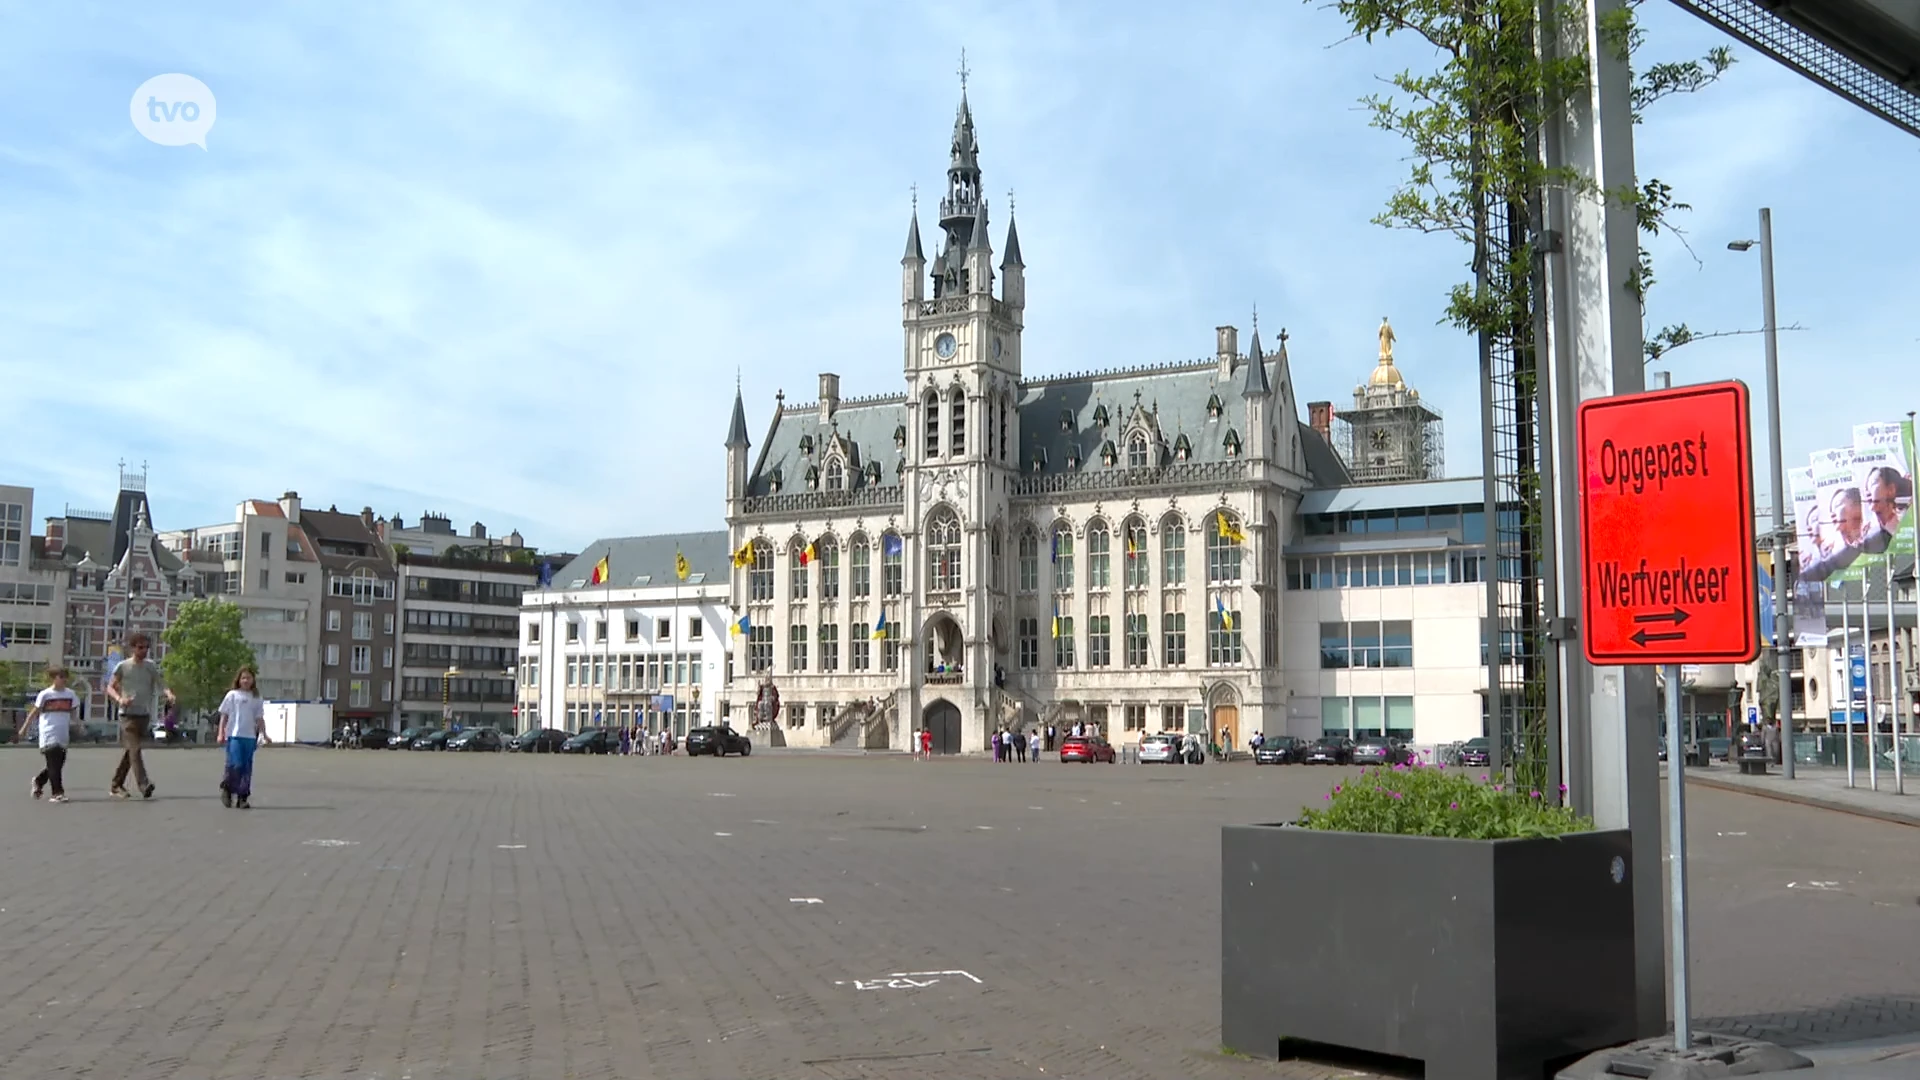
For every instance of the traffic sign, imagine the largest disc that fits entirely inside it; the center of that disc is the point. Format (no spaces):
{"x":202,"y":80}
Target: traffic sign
{"x":1666,"y":527}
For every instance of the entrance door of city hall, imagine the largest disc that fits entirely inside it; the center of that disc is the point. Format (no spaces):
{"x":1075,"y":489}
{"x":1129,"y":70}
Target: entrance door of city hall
{"x":943,"y":719}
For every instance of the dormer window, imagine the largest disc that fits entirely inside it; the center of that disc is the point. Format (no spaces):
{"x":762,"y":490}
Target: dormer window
{"x":1137,"y":452}
{"x":872,"y":472}
{"x":1100,"y":417}
{"x":1182,"y":448}
{"x":1039,"y":463}
{"x":1232,"y":443}
{"x":806,"y":445}
{"x":1108,"y":455}
{"x":774,"y":481}
{"x":836,"y":476}
{"x":1073,"y":459}
{"x":1066,"y":420}
{"x":900,"y":437}
{"x":1214,"y":408}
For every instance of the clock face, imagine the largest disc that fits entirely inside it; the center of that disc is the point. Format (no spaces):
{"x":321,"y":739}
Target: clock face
{"x":1380,"y":438}
{"x":999,"y":347}
{"x":945,"y":346}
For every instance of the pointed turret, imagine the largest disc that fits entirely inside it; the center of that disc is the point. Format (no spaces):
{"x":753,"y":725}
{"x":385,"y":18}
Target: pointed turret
{"x":914,"y":253}
{"x":1012,"y":259}
{"x":737,"y":430}
{"x":1257,"y":385}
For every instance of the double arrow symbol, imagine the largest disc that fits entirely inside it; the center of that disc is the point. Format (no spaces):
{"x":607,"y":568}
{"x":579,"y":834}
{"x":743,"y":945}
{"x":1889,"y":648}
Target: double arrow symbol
{"x":1676,"y":617}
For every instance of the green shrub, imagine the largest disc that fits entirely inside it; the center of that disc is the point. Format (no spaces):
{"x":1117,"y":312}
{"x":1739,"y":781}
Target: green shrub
{"x":1411,"y":800}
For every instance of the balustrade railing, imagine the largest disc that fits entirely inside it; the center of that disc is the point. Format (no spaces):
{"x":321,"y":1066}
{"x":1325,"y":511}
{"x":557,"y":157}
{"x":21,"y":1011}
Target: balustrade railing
{"x":1104,"y":479}
{"x":804,"y":501}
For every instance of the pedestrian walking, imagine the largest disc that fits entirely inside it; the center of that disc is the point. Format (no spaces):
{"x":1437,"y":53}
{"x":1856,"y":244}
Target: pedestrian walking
{"x":1033,"y":741}
{"x":926,"y":743}
{"x":137,"y":686}
{"x":1020,"y":747}
{"x":54,"y":707}
{"x":243,"y":727}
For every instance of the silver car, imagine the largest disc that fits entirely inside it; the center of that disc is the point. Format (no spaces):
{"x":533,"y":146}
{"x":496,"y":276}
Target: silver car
{"x":1160,"y":748}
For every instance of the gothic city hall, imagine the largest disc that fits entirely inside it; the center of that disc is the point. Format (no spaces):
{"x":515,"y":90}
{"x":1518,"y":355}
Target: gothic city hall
{"x":1168,"y":547}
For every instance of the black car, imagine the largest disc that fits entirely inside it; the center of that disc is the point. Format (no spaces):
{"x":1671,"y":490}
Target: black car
{"x":405,"y":739}
{"x":592,"y":741}
{"x":718,"y":741}
{"x":541,"y":741}
{"x":476,"y":739}
{"x":1278,"y":750}
{"x":1475,"y":753}
{"x":1329,"y":752}
{"x":432,"y":740}
{"x":1380,"y":750}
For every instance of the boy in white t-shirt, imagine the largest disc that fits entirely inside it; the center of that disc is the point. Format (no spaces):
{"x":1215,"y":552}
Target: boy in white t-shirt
{"x":55,"y":708}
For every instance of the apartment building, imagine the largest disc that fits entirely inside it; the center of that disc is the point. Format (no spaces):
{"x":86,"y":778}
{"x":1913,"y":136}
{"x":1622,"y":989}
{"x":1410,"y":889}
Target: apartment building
{"x":264,"y":561}
{"x":33,"y":597}
{"x":359,"y":634}
{"x":460,"y":618}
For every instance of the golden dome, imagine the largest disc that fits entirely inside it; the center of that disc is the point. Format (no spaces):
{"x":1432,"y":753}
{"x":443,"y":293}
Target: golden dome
{"x":1387,"y":374}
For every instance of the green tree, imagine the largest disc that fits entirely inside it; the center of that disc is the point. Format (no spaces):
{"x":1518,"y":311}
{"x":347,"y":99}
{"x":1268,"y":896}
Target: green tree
{"x":205,"y":649}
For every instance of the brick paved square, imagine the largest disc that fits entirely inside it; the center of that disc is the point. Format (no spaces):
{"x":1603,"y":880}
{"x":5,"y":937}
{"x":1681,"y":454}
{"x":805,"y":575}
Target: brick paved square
{"x":443,"y":916}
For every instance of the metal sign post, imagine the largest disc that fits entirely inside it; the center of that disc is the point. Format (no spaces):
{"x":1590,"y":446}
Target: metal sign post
{"x":1667,"y":535}
{"x":1677,"y":859}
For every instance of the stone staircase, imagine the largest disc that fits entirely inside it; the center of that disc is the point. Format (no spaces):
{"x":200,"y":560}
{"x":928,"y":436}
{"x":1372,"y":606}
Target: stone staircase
{"x":863,"y":726}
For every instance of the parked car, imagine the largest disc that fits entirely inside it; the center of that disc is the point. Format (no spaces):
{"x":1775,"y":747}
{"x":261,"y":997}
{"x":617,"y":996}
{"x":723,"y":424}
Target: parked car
{"x":1329,"y":751}
{"x":1278,"y":750}
{"x":1163,"y":748}
{"x":1380,"y":750}
{"x":369,"y":738}
{"x":592,"y":741}
{"x":1088,"y":748}
{"x":540,"y":741}
{"x":432,"y":740}
{"x":1751,"y":751}
{"x":406,"y":738}
{"x":476,"y":739}
{"x":718,"y":741}
{"x":1719,"y":746}
{"x":173,"y":736}
{"x":1476,"y":752}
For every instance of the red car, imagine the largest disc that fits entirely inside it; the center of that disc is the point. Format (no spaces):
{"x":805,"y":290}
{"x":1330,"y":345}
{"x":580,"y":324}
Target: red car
{"x":1088,"y":748}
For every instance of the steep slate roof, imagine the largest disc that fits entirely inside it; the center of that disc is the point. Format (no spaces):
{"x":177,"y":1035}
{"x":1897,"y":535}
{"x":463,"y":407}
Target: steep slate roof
{"x":1180,"y":393}
{"x":321,"y":526}
{"x":867,"y":423}
{"x":631,"y":557}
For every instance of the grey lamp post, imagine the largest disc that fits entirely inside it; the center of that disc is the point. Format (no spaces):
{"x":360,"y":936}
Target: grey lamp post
{"x":1782,"y":607}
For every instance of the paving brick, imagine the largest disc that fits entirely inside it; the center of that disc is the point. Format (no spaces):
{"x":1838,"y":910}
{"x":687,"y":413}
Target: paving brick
{"x":452,"y":917}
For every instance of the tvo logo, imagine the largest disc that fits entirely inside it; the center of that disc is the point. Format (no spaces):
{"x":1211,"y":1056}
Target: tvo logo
{"x":173,"y":110}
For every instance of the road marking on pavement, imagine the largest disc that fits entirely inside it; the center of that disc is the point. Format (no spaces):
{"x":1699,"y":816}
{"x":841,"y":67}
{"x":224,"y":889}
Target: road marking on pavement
{"x":1036,"y":808}
{"x":1823,"y":885}
{"x":906,"y":980}
{"x":763,"y":821}
{"x":721,"y":794}
{"x":804,"y":900}
{"x":511,"y":847}
{"x":987,"y":827}
{"x":723,"y":834}
{"x":330,"y":843}
{"x":1732,"y":834}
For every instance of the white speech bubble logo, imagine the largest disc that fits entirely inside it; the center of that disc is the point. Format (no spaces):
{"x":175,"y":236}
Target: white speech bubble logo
{"x":173,"y":110}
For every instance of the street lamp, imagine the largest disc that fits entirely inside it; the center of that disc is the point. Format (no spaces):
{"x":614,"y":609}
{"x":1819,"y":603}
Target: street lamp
{"x":1782,"y":608}
{"x":446,"y":697}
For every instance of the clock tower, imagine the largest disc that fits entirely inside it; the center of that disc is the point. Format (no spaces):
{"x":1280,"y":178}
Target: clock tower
{"x":1390,"y":436}
{"x":961,"y":362}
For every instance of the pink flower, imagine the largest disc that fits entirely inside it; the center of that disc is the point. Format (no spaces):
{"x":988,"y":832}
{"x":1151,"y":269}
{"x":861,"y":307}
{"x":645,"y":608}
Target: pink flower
{"x":1563,"y":789}
{"x":1536,"y":794}
{"x":1396,"y":795}
{"x":1453,"y":806}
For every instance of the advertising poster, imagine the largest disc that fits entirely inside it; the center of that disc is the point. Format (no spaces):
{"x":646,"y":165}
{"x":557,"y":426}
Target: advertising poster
{"x":1840,"y":517}
{"x":1883,"y":453}
{"x":1809,"y":596}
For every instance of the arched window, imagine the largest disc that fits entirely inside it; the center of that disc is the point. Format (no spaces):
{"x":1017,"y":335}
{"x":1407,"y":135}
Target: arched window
{"x":826,"y":551}
{"x":1138,"y":564}
{"x":760,"y":575}
{"x":957,"y":423}
{"x":943,"y":552}
{"x":860,"y":566}
{"x":1062,"y":557}
{"x":892,"y":571}
{"x":1029,"y":561}
{"x":997,"y":555}
{"x":836,"y":475}
{"x":1224,"y":540}
{"x":798,"y":558}
{"x":1173,"y":552}
{"x":1137,"y":452}
{"x":931,"y":407}
{"x":1099,"y":556}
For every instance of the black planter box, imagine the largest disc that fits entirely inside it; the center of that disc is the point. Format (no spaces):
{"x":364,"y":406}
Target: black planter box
{"x":1486,"y":959}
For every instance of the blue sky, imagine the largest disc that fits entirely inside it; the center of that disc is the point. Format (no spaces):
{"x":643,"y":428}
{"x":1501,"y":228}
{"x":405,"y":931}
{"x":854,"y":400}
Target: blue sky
{"x":502,"y":261}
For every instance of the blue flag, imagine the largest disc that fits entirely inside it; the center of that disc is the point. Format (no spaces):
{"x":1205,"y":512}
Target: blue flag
{"x":546,"y":572}
{"x":891,"y":544}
